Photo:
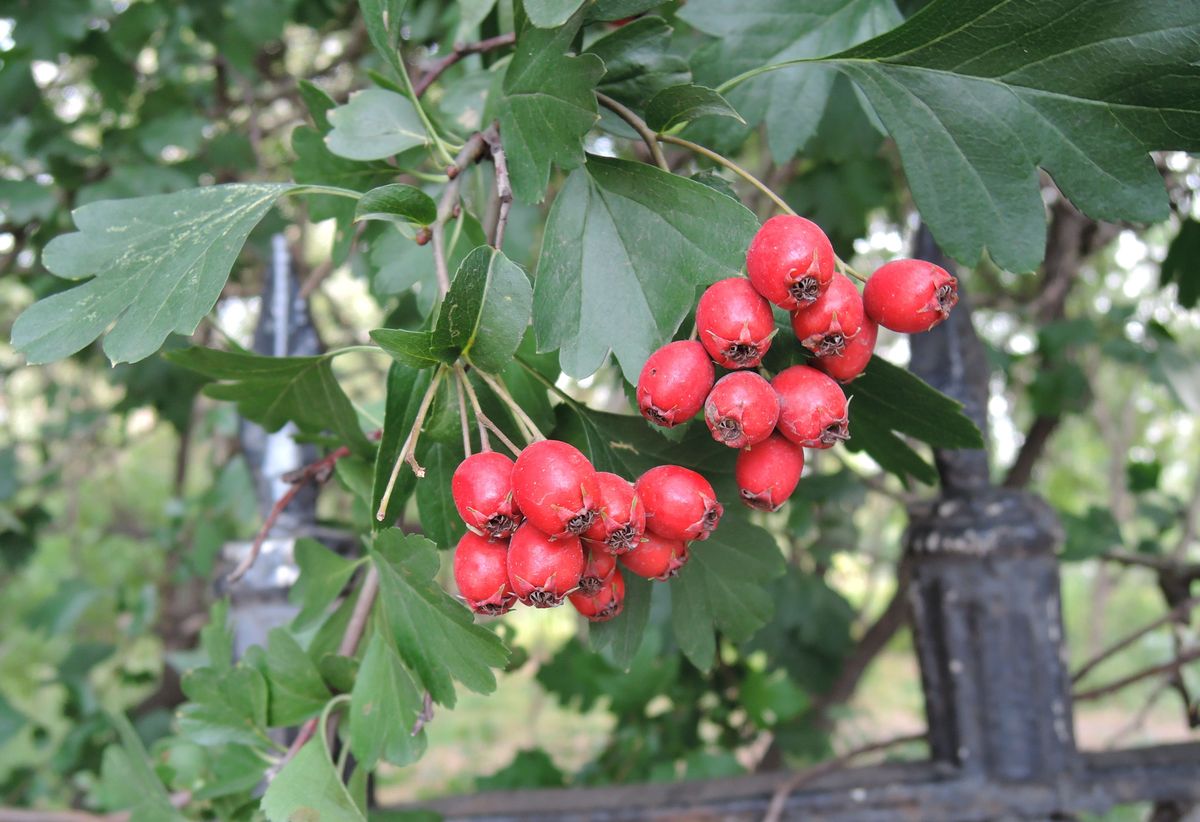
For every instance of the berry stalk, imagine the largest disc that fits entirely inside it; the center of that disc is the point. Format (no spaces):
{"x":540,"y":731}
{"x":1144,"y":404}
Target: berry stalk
{"x":408,"y":450}
{"x":531,"y":431}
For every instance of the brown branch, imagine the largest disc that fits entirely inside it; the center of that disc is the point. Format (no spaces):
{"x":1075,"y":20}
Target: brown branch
{"x":639,"y":125}
{"x":471,"y":152}
{"x":460,"y":51}
{"x":504,"y":193}
{"x":1173,"y":615}
{"x":1146,"y":673}
{"x":1032,"y":448}
{"x":801,"y":778}
{"x":1182,"y":571}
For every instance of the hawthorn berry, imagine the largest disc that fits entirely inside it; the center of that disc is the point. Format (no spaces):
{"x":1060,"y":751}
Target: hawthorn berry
{"x":812,"y":407}
{"x":481,"y":573}
{"x":482,"y":491}
{"x":832,"y":320}
{"x":674,"y":382}
{"x":741,"y":409}
{"x":768,"y":473}
{"x":734,"y":323}
{"x":910,"y":296}
{"x":790,"y":261}
{"x":680,"y":504}
{"x":554,"y":486}
{"x":541,"y":570}
{"x":598,"y":567}
{"x":854,"y":359}
{"x":657,"y":557}
{"x":605,"y":603}
{"x":621,"y":519}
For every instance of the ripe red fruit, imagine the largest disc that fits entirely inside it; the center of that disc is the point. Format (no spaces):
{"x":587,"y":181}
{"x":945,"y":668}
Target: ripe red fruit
{"x":734,"y":323}
{"x":657,"y":558}
{"x":767,"y":473}
{"x":481,"y":573}
{"x":680,"y":504}
{"x":674,"y":382}
{"x":597,"y":568}
{"x":812,"y":408}
{"x":622,"y":517}
{"x":605,"y":603}
{"x":834,"y":319}
{"x":554,"y":486}
{"x":741,"y":409}
{"x":790,"y":261}
{"x":482,"y":490}
{"x":910,"y":296}
{"x":853,"y":360}
{"x":542,"y":571}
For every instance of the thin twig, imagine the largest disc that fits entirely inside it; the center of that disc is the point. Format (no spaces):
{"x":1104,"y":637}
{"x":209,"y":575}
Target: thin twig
{"x":1184,"y":571}
{"x":460,"y":51}
{"x":800,"y":778}
{"x":732,"y":166}
{"x":408,"y":449}
{"x":639,"y":125}
{"x":470,"y":153}
{"x":504,"y":191}
{"x":1173,"y":615}
{"x":518,"y":412}
{"x":1138,"y":676}
{"x":1139,"y":719}
{"x":462,"y":418}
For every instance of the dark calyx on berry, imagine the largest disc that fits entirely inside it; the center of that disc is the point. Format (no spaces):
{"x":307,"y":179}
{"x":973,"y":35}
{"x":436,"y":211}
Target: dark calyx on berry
{"x":581,"y":522}
{"x":541,"y":598}
{"x":744,"y":354}
{"x":828,"y":345}
{"x":623,"y":539}
{"x":608,"y":611}
{"x":835,"y":432}
{"x":729,"y":429}
{"x":495,"y":608}
{"x":499,"y":526}
{"x":947,"y":298}
{"x":712,"y":515}
{"x":590,"y":585}
{"x":806,"y":289}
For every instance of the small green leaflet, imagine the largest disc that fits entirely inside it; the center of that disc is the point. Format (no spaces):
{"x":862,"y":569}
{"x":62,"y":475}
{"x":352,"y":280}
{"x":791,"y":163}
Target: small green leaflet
{"x":225,"y":707}
{"x":397,"y":203}
{"x":309,"y":788}
{"x":374,"y":124}
{"x":415,"y":349}
{"x":295,"y":685}
{"x":1182,"y":264}
{"x":157,"y":266}
{"x":546,"y":107}
{"x":383,"y":709}
{"x":435,"y":635}
{"x":382,"y":18}
{"x":722,"y":588}
{"x":547,"y":14}
{"x":323,"y":575}
{"x":128,"y":777}
{"x":625,"y":250}
{"x":435,"y":501}
{"x":274,"y":390}
{"x":638,"y":62}
{"x":487,"y":310}
{"x":682,"y":104}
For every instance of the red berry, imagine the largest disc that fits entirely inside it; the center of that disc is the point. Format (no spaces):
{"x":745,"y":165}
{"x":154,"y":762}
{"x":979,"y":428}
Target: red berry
{"x":622,"y":517}
{"x":674,"y":382}
{"x":910,"y":296}
{"x":741,"y":409}
{"x":542,"y":571}
{"x":680,"y":504}
{"x":598,"y":567}
{"x":481,"y":573}
{"x":657,"y":557}
{"x":834,"y":319}
{"x":850,"y":363}
{"x":812,"y":408}
{"x":554,"y":486}
{"x":735,"y":323}
{"x":482,"y":490}
{"x":790,"y":261}
{"x":767,"y":473}
{"x":605,"y":603}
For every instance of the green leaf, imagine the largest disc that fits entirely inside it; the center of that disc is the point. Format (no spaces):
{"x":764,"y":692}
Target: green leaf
{"x":275,"y":390}
{"x":216,"y":639}
{"x":397,"y":203}
{"x":528,"y":769}
{"x":623,"y":634}
{"x":547,"y":14}
{"x":871,"y":432}
{"x":1083,"y":90}
{"x":296,"y":688}
{"x":318,"y":102}
{"x":316,"y":164}
{"x":383,"y":709}
{"x":382,"y":18}
{"x":435,"y":502}
{"x":1093,"y":533}
{"x":405,"y":388}
{"x":1182,"y":264}
{"x":722,"y":587}
{"x":626,"y":248}
{"x":638,"y":62}
{"x":682,"y":104}
{"x":607,"y":10}
{"x":226,"y":707}
{"x":323,"y":575}
{"x":487,"y":310}
{"x":911,"y":406}
{"x":375,"y":123}
{"x":308,"y":789}
{"x":760,"y":32}
{"x":415,"y":349}
{"x":434,"y":635}
{"x":130,"y":765}
{"x":546,"y":107}
{"x":157,"y":265}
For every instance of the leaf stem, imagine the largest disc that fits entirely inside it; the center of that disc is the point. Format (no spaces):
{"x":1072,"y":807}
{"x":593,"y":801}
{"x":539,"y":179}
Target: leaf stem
{"x":845,"y":268}
{"x":438,"y":143}
{"x":532,"y":434}
{"x":462,"y":418}
{"x":470,"y":152}
{"x":485,"y":422}
{"x":731,"y":165}
{"x":639,"y":125}
{"x":408,"y":450}
{"x":319,"y":189}
{"x":734,"y":82}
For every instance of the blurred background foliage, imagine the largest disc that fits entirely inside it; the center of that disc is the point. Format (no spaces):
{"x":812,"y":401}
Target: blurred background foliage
{"x":119,"y":486}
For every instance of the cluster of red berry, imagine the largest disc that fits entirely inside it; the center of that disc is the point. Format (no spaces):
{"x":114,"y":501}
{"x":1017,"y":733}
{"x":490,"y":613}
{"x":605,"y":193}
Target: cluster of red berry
{"x":791,"y":263}
{"x":550,"y":526}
